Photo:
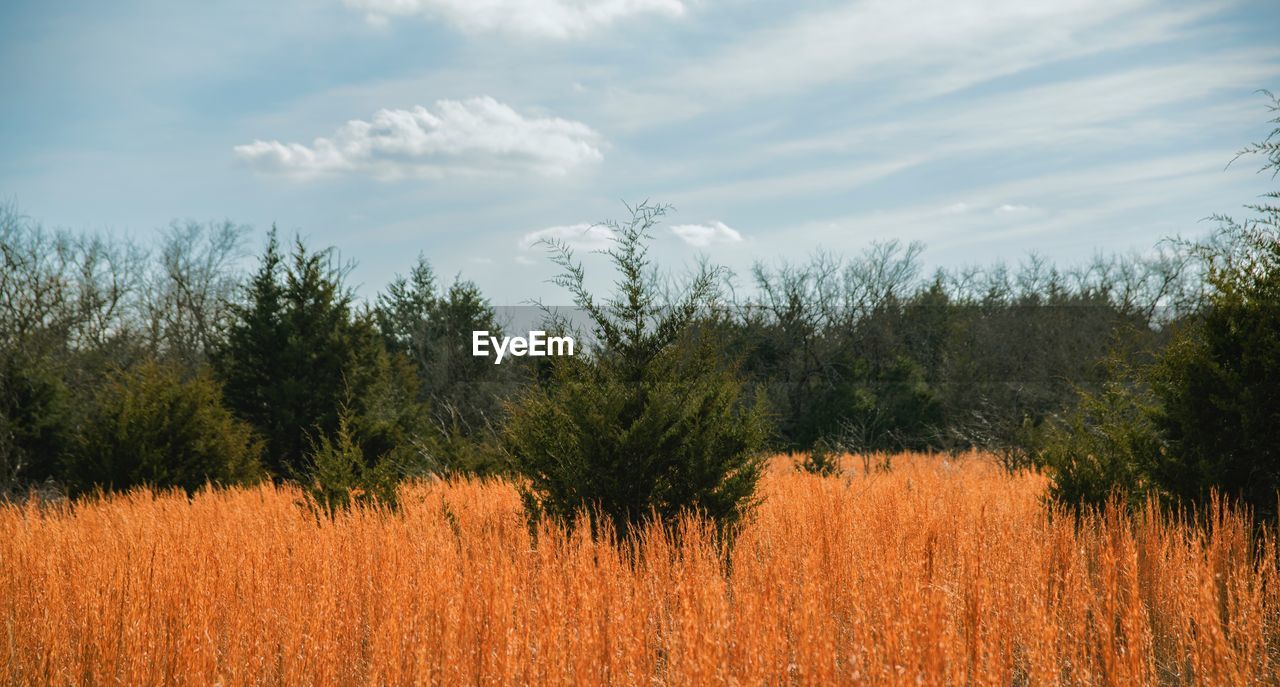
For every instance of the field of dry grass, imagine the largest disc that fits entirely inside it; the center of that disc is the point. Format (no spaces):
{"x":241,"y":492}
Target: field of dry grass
{"x":938,"y":572}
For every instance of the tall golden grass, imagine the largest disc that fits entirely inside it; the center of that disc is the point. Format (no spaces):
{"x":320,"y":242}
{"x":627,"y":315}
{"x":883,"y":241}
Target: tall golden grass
{"x":939,"y":572}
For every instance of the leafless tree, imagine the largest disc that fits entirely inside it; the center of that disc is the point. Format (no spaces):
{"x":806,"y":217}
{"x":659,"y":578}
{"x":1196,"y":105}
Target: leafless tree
{"x":190,"y":288}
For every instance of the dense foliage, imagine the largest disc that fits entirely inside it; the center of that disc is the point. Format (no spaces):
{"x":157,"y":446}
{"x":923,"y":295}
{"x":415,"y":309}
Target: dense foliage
{"x":427,"y":328}
{"x":655,"y":422}
{"x":295,"y":352}
{"x":150,"y":426}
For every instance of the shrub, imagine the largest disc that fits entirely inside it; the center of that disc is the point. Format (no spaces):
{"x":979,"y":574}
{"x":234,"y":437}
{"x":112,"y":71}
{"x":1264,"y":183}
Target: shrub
{"x":36,"y":422}
{"x":651,"y":423}
{"x":821,"y":460}
{"x":1105,"y":447}
{"x":338,"y":473}
{"x":150,"y":426}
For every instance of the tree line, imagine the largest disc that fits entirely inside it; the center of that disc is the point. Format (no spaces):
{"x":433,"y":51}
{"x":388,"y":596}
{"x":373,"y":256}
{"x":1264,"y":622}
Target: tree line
{"x":172,"y":366}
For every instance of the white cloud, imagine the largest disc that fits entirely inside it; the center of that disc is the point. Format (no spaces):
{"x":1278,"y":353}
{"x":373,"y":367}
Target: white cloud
{"x":540,"y":18}
{"x":703,"y":235}
{"x":964,"y":207}
{"x":576,"y":236}
{"x":477,"y":136}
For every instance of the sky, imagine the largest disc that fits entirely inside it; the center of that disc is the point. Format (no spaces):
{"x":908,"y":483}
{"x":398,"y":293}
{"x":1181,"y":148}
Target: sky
{"x":465,"y":130}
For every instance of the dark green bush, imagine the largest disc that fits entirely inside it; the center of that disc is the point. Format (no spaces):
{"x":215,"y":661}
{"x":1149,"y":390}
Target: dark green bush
{"x":37,"y":425}
{"x":150,"y":426}
{"x":339,"y":474}
{"x":1107,"y":446}
{"x":821,"y":460}
{"x":1219,"y":382}
{"x":651,"y":423}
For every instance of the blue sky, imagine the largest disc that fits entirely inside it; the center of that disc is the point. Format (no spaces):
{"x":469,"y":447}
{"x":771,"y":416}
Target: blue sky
{"x":466,"y":129}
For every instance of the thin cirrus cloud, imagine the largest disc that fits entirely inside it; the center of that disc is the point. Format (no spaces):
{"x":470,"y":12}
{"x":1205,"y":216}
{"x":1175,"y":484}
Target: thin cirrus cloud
{"x":1146,"y":105}
{"x":706,"y":235}
{"x":949,"y":45}
{"x":1110,"y":198}
{"x":558,"y":19}
{"x":903,"y":50}
{"x":474,"y":137}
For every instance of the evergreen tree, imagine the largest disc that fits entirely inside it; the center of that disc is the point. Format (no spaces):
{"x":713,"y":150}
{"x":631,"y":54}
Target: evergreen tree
{"x":37,"y":420}
{"x":429,"y":329}
{"x":1205,"y":416}
{"x":1219,"y":382}
{"x":296,"y":351}
{"x":254,"y":352}
{"x":432,"y":327}
{"x":651,"y":423}
{"x":405,"y":311}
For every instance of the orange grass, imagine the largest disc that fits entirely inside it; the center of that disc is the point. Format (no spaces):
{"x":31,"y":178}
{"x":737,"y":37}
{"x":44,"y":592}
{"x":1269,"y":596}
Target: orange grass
{"x":939,"y":572}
